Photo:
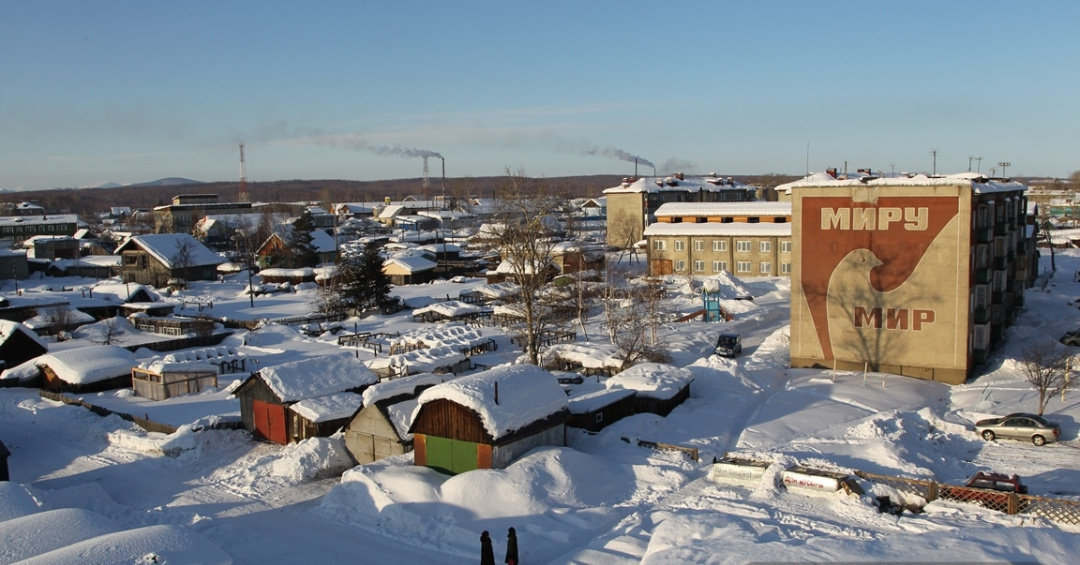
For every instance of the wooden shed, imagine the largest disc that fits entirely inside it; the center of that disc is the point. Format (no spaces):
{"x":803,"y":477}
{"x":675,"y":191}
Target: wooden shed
{"x":487,"y":420}
{"x":593,"y":411}
{"x":163,"y":380}
{"x":659,"y":388}
{"x":87,"y":369}
{"x":380,"y":428}
{"x":266,"y":396}
{"x":19,"y":344}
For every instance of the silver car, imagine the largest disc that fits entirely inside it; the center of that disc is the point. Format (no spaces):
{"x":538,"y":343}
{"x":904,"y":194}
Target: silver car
{"x":1022,"y":426}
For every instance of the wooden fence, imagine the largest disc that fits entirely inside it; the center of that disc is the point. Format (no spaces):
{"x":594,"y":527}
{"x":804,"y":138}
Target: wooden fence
{"x":144,"y":423}
{"x":1055,"y":509}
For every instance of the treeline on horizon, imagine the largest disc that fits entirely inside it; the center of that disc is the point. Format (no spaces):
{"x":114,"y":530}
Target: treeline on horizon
{"x":90,"y":201}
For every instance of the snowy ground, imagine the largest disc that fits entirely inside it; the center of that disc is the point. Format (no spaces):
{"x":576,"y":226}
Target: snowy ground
{"x":599,"y":500}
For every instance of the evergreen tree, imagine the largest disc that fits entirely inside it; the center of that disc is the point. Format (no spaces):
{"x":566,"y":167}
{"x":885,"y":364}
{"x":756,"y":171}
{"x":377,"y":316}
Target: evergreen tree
{"x":364,"y":285}
{"x":301,"y":252}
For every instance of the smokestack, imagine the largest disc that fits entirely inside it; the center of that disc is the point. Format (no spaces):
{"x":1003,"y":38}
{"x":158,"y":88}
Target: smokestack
{"x":496,"y":392}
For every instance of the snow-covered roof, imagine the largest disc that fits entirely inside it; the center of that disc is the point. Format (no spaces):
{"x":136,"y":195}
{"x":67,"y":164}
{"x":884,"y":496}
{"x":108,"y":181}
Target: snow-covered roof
{"x":449,"y":309}
{"x":691,"y":184}
{"x":8,"y":329}
{"x":653,"y":380}
{"x":164,"y":247}
{"x":720,"y":229}
{"x":412,"y":263}
{"x":979,"y":183}
{"x":273,"y":272}
{"x":317,"y":376}
{"x":752,"y":208}
{"x":91,"y":364}
{"x":119,"y":292}
{"x":598,"y":399}
{"x":590,"y":355}
{"x":498,"y":290}
{"x":424,"y":360}
{"x":526,"y":394}
{"x":400,"y":386}
{"x":329,"y":407}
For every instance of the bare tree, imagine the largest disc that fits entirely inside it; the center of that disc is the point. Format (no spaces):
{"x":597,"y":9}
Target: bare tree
{"x":1046,"y":365}
{"x":58,"y":317}
{"x":631,"y":316}
{"x":107,"y":332}
{"x":526,"y":208}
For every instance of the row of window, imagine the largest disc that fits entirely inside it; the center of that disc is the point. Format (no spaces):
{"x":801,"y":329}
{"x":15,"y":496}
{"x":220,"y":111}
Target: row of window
{"x":39,"y":228}
{"x":764,"y":268}
{"x":742,"y":246}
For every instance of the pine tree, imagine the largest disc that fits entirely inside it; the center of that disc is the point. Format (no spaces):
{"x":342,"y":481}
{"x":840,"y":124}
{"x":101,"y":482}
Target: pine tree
{"x":364,"y":285}
{"x":301,"y":251}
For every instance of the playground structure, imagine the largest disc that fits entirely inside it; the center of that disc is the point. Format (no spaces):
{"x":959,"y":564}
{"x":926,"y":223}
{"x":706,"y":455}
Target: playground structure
{"x":714,"y":311}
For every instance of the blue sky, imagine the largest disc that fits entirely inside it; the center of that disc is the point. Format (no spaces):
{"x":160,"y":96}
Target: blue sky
{"x":134,"y":91}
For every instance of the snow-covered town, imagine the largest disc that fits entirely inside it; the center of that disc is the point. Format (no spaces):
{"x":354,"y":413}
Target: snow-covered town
{"x":611,"y":405}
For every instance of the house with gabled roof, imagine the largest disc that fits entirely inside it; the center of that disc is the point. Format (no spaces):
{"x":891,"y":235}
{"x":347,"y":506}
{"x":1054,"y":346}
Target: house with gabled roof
{"x":272,"y":399}
{"x":380,"y":428}
{"x":274,"y":250}
{"x":488,"y":419}
{"x":158,"y":258}
{"x":19,"y":344}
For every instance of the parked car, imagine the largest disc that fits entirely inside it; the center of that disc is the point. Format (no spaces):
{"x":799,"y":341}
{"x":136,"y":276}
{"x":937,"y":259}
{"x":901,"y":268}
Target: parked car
{"x":1071,"y":338}
{"x":728,"y":345}
{"x":1022,"y":426}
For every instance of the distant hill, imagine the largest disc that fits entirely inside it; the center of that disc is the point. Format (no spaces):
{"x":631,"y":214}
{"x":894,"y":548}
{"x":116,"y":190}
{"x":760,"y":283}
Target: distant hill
{"x":168,"y":181}
{"x":160,"y":192}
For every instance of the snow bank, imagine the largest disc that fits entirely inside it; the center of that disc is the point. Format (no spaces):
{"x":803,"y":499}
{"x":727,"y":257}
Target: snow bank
{"x":141,"y":546}
{"x":22,"y":538}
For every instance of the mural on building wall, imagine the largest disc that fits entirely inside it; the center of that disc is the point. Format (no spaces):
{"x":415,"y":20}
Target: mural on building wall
{"x":878,"y":282}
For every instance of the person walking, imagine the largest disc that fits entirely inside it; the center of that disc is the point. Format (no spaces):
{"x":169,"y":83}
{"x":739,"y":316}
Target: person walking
{"x":487,"y":553}
{"x":511,"y":547}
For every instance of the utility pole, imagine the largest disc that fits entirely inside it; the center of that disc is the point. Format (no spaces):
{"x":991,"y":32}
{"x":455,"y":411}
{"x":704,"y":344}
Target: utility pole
{"x":934,"y":153}
{"x":1003,"y":164}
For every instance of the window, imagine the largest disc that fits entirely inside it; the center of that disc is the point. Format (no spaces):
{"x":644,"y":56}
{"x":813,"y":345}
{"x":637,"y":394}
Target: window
{"x":699,"y":266}
{"x":699,"y":245}
{"x":680,"y":245}
{"x":766,"y":246}
{"x":719,"y":245}
{"x":599,"y":418}
{"x":659,"y":244}
{"x":766,"y":268}
{"x":742,"y":266}
{"x":718,"y":266}
{"x":785,"y":247}
{"x":680,"y":266}
{"x":742,"y":246}
{"x":785,"y":268}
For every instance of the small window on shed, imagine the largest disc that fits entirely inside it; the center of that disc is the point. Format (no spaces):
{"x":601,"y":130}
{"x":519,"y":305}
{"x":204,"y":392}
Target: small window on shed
{"x":599,"y":417}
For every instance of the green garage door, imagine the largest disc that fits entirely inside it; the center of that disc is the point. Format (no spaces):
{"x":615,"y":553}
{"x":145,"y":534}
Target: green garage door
{"x":450,"y":455}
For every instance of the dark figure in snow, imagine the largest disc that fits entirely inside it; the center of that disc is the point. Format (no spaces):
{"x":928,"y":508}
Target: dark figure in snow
{"x":511,"y":547}
{"x":487,"y":553}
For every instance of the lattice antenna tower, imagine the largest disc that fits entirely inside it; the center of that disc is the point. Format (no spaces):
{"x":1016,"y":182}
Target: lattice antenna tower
{"x":244,"y":196}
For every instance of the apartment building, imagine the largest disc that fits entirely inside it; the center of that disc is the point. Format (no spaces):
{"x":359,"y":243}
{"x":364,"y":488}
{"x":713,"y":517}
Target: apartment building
{"x":700,"y":239}
{"x":917,"y":276}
